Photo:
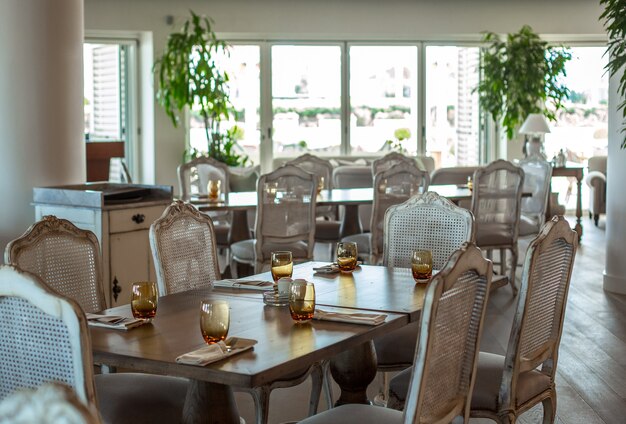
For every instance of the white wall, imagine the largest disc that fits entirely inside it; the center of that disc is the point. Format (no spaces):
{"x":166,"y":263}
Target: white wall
{"x":338,"y":20}
{"x":41,"y":104}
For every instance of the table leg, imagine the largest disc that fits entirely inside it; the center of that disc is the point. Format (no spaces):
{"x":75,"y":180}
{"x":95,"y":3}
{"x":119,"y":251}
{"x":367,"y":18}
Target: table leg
{"x":210,"y":403}
{"x":239,"y":229}
{"x":579,"y":208}
{"x":351,"y":224}
{"x":354,"y":370}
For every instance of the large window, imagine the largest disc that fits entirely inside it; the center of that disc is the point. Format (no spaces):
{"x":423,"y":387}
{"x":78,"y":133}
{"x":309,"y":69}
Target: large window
{"x":452,"y":111}
{"x":383,"y":98}
{"x":241,"y":63}
{"x":306,"y":99}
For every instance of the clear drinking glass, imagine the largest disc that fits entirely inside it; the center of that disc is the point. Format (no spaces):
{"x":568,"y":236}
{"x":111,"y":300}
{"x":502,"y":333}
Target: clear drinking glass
{"x":346,"y":256}
{"x":213,"y":188}
{"x":214,"y":320}
{"x":282,"y":265}
{"x":144,"y":299}
{"x":301,"y":301}
{"x":422,"y":264}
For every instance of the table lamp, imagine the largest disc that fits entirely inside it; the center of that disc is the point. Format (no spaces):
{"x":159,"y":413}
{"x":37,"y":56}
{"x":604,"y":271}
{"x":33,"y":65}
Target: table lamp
{"x":535,"y":125}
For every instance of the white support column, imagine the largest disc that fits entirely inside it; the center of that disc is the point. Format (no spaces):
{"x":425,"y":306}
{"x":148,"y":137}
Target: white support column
{"x":615,"y":270}
{"x":41,"y":104}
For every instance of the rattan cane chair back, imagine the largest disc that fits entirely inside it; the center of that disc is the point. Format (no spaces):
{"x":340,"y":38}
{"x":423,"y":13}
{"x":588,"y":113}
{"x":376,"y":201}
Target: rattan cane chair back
{"x":537,"y":176}
{"x":288,"y":215}
{"x":65,"y":257}
{"x":321,"y":168}
{"x":184,"y":249}
{"x":533,"y":346}
{"x":194,"y":176}
{"x":389,"y":161}
{"x":425,"y":222}
{"x":447,"y":349}
{"x":496,"y":205}
{"x":43,"y":337}
{"x":391,"y":187}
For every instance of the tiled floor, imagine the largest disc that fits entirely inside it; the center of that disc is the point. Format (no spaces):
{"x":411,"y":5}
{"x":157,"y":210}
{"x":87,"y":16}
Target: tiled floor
{"x":591,"y":381}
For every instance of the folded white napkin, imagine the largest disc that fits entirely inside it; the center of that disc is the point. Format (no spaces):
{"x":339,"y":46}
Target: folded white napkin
{"x":115,"y":322}
{"x":245,"y":284}
{"x":216,"y":352}
{"x":352,"y":318}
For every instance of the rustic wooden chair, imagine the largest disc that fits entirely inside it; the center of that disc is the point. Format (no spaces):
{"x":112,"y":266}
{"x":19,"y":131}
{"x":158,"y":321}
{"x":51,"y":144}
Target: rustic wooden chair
{"x":445,"y":359}
{"x":496,"y":205}
{"x":426,"y":221}
{"x":392,"y":186}
{"x":285,"y":220}
{"x":193,"y":178}
{"x":389,"y":161}
{"x":508,"y":385}
{"x":537,"y":176}
{"x":326,"y":225}
{"x":65,"y":257}
{"x":184,"y":249}
{"x":44,"y":337}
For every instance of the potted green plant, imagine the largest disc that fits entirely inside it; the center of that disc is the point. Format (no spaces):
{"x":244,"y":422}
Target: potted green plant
{"x":519,"y":75}
{"x":188,"y":77}
{"x":614,"y":17}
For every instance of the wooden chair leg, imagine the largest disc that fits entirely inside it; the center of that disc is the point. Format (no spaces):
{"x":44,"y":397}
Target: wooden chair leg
{"x":549,"y":408}
{"x":513,"y":269}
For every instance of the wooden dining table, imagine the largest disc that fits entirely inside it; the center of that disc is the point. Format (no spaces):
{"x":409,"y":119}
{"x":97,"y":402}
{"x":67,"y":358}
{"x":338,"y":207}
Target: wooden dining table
{"x":350,"y":198}
{"x":283,"y":347}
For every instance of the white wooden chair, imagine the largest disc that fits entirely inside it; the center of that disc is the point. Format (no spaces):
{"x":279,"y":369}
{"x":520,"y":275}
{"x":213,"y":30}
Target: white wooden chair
{"x":445,"y":359}
{"x":496,"y":205}
{"x":43,"y":337}
{"x":429,"y":222}
{"x":389,"y":161}
{"x":184,"y":249}
{"x":65,"y":257}
{"x":284,"y":221}
{"x":537,"y":176}
{"x":508,"y":385}
{"x":391,"y":187}
{"x":193,"y":178}
{"x":326,"y":224}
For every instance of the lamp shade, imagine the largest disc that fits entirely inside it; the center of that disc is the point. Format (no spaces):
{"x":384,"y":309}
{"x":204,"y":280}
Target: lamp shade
{"x":535,"y":123}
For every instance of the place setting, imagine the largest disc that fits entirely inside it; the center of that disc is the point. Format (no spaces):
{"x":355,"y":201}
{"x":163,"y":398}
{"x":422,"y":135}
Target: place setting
{"x":347,"y":260}
{"x":214,"y":327}
{"x":143,"y":305}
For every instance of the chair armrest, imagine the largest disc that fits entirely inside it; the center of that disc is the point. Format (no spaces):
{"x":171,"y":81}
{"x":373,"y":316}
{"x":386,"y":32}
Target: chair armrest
{"x":595,"y":178}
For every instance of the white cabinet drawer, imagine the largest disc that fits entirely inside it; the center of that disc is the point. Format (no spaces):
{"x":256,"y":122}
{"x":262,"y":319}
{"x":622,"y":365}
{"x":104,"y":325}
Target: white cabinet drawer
{"x":124,"y":220}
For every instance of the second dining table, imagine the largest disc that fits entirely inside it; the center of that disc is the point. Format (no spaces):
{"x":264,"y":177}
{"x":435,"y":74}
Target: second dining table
{"x":350,"y":198}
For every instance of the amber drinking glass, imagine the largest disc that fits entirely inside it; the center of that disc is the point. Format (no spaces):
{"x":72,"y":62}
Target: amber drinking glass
{"x":320,"y":185}
{"x":213,"y":187}
{"x":301,"y":301}
{"x":282,"y":265}
{"x":422,"y":264}
{"x":144,"y":299}
{"x":214,"y":320}
{"x":346,"y":256}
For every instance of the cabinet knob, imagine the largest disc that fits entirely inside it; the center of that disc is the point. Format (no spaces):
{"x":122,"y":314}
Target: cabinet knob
{"x":116,"y":288}
{"x":139,"y":218}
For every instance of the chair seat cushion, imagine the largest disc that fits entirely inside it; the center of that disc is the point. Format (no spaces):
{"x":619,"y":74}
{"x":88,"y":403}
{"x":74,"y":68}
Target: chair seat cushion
{"x":140,"y":398}
{"x":528,"y":226}
{"x":397,"y":349}
{"x":245,"y":249}
{"x":353,"y":413}
{"x":327,"y":230}
{"x":489,"y":377}
{"x":362,"y":242}
{"x":493,"y":235}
